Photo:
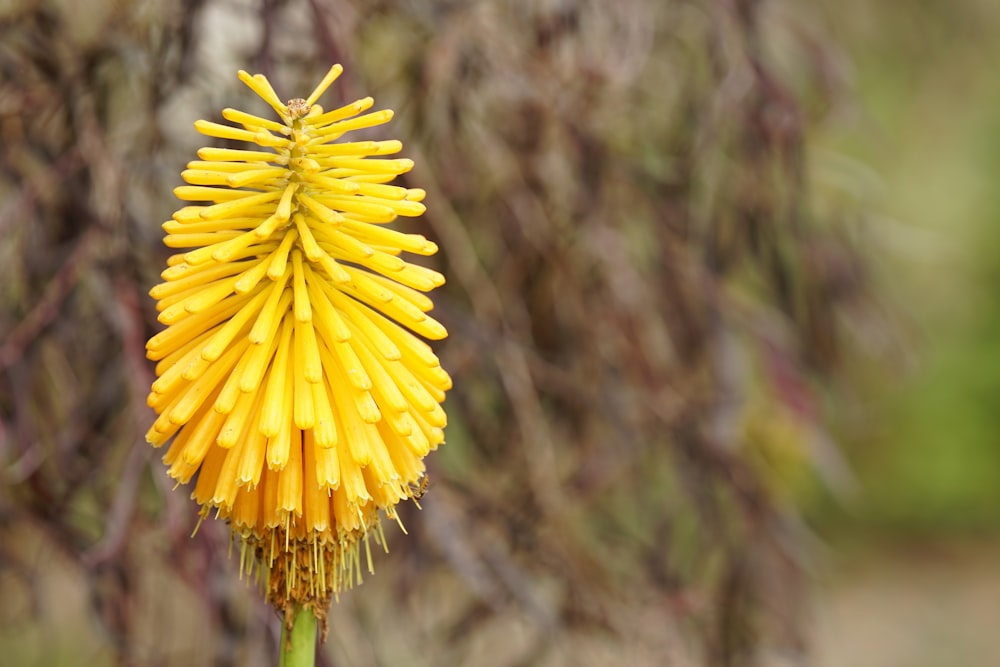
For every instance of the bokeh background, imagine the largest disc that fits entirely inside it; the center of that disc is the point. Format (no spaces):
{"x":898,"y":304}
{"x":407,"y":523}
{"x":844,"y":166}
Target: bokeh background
{"x":721,"y":302}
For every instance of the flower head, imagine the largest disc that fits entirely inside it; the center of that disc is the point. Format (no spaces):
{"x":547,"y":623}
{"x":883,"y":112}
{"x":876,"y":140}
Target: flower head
{"x":289,"y":377}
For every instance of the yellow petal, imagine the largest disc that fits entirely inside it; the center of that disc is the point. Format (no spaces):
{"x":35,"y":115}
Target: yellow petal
{"x":276,"y":410}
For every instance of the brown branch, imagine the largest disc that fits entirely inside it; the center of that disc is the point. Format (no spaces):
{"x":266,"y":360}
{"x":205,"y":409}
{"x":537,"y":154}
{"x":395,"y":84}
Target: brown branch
{"x":122,"y":507}
{"x":48,"y":306}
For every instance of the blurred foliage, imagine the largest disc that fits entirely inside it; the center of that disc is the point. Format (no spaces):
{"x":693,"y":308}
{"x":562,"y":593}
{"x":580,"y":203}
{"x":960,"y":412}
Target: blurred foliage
{"x":653,"y":303}
{"x":927,"y":453}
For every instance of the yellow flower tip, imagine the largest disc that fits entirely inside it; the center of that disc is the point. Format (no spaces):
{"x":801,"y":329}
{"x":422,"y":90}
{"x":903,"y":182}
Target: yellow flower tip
{"x":331,"y":76}
{"x":259,"y":84}
{"x":291,"y":377}
{"x":252,"y":122}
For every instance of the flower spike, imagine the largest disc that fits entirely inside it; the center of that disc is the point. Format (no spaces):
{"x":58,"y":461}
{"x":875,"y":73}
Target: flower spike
{"x":291,"y":377}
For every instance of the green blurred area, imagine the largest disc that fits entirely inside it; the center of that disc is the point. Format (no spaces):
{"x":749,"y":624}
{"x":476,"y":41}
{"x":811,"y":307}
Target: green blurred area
{"x":928,"y":124}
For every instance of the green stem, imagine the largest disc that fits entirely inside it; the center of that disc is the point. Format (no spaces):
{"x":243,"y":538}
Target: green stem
{"x":298,"y":648}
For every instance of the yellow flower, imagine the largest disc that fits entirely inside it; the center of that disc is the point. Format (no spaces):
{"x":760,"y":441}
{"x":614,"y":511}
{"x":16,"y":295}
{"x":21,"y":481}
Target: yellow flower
{"x":284,"y":377}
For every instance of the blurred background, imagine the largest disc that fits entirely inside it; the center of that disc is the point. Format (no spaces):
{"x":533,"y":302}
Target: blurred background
{"x":721,"y":285}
